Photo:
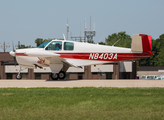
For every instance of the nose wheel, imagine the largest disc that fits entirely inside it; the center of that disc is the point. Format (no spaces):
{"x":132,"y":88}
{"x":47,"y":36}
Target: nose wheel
{"x":18,"y":76}
{"x":61,"y":75}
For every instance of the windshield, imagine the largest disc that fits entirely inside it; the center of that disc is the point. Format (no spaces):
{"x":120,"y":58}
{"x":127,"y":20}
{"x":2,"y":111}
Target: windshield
{"x":44,"y":44}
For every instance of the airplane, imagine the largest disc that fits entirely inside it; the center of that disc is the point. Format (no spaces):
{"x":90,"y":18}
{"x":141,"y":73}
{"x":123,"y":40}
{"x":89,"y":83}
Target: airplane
{"x":59,"y":55}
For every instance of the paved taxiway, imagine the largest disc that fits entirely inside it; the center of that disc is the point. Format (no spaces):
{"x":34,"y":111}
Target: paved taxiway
{"x":81,"y":83}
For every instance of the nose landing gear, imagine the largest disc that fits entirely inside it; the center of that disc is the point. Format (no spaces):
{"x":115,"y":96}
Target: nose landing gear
{"x":19,"y":76}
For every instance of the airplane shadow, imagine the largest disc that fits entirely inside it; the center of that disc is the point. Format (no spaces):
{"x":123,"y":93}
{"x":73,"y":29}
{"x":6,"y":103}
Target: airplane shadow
{"x":65,"y":80}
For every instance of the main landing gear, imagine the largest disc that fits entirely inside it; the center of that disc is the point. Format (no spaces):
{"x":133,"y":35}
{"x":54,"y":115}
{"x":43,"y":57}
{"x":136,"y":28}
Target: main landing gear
{"x":61,"y":75}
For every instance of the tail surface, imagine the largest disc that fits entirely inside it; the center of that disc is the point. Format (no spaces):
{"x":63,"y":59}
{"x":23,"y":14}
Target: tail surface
{"x":141,"y":43}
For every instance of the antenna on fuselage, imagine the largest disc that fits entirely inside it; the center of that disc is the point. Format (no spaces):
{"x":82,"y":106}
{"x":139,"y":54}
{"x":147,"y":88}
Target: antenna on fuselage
{"x":100,"y":40}
{"x":67,"y":29}
{"x":64,"y":37}
{"x":116,"y":42}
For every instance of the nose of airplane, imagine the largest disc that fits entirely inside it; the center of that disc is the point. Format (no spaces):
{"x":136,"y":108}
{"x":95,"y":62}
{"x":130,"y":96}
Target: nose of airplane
{"x":12,"y":53}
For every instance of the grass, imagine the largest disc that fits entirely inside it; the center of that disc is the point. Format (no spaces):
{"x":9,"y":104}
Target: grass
{"x":81,"y":103}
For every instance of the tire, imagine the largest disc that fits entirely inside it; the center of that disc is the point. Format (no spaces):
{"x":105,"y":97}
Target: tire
{"x":62,"y":75}
{"x":18,"y":76}
{"x":54,"y":76}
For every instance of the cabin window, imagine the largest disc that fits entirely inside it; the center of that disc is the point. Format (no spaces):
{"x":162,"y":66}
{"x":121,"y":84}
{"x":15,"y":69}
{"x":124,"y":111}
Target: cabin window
{"x":55,"y":45}
{"x":68,"y":46}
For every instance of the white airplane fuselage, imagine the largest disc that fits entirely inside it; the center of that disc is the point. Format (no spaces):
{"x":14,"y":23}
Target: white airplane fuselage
{"x":84,"y":54}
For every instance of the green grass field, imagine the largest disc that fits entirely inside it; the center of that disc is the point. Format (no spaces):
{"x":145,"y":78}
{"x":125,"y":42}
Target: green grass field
{"x":81,"y":103}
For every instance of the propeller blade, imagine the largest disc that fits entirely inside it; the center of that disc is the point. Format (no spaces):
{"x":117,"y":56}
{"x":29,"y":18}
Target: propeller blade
{"x":14,"y":54}
{"x":13,"y":47}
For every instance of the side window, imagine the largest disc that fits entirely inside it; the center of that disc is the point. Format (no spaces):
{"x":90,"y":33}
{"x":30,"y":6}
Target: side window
{"x":68,"y":46}
{"x":55,"y":45}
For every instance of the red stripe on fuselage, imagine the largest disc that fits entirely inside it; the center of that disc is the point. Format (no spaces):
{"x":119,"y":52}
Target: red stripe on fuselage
{"x":106,"y":56}
{"x":20,"y":54}
{"x":102,"y":56}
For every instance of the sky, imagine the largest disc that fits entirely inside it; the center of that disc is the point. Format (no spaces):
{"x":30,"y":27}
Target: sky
{"x":27,"y":20}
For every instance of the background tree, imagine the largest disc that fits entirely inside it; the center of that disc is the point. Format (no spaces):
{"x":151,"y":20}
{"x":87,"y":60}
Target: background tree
{"x":24,"y":46}
{"x":159,"y":51}
{"x":102,"y":43}
{"x":124,"y":39}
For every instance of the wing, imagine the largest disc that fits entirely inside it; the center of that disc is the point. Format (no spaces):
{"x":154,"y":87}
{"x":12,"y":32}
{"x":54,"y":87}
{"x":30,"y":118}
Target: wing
{"x":51,"y":59}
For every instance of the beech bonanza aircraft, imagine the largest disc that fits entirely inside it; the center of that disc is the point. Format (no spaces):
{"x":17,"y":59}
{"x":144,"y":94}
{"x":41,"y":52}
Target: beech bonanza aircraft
{"x":59,"y":55}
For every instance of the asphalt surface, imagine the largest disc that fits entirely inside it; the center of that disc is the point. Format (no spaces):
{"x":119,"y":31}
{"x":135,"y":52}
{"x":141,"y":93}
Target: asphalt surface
{"x":81,"y":83}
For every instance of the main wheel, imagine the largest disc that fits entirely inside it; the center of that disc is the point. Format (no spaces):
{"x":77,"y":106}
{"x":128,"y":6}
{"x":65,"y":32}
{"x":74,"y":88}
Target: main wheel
{"x":18,"y":76}
{"x":54,"y":76}
{"x":62,"y":75}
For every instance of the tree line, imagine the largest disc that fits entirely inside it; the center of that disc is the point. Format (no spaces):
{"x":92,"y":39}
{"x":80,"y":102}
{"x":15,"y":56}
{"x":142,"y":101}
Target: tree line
{"x":121,"y":39}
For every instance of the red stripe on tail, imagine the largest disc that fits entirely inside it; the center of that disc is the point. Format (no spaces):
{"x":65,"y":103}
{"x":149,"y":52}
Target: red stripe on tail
{"x":146,"y":42}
